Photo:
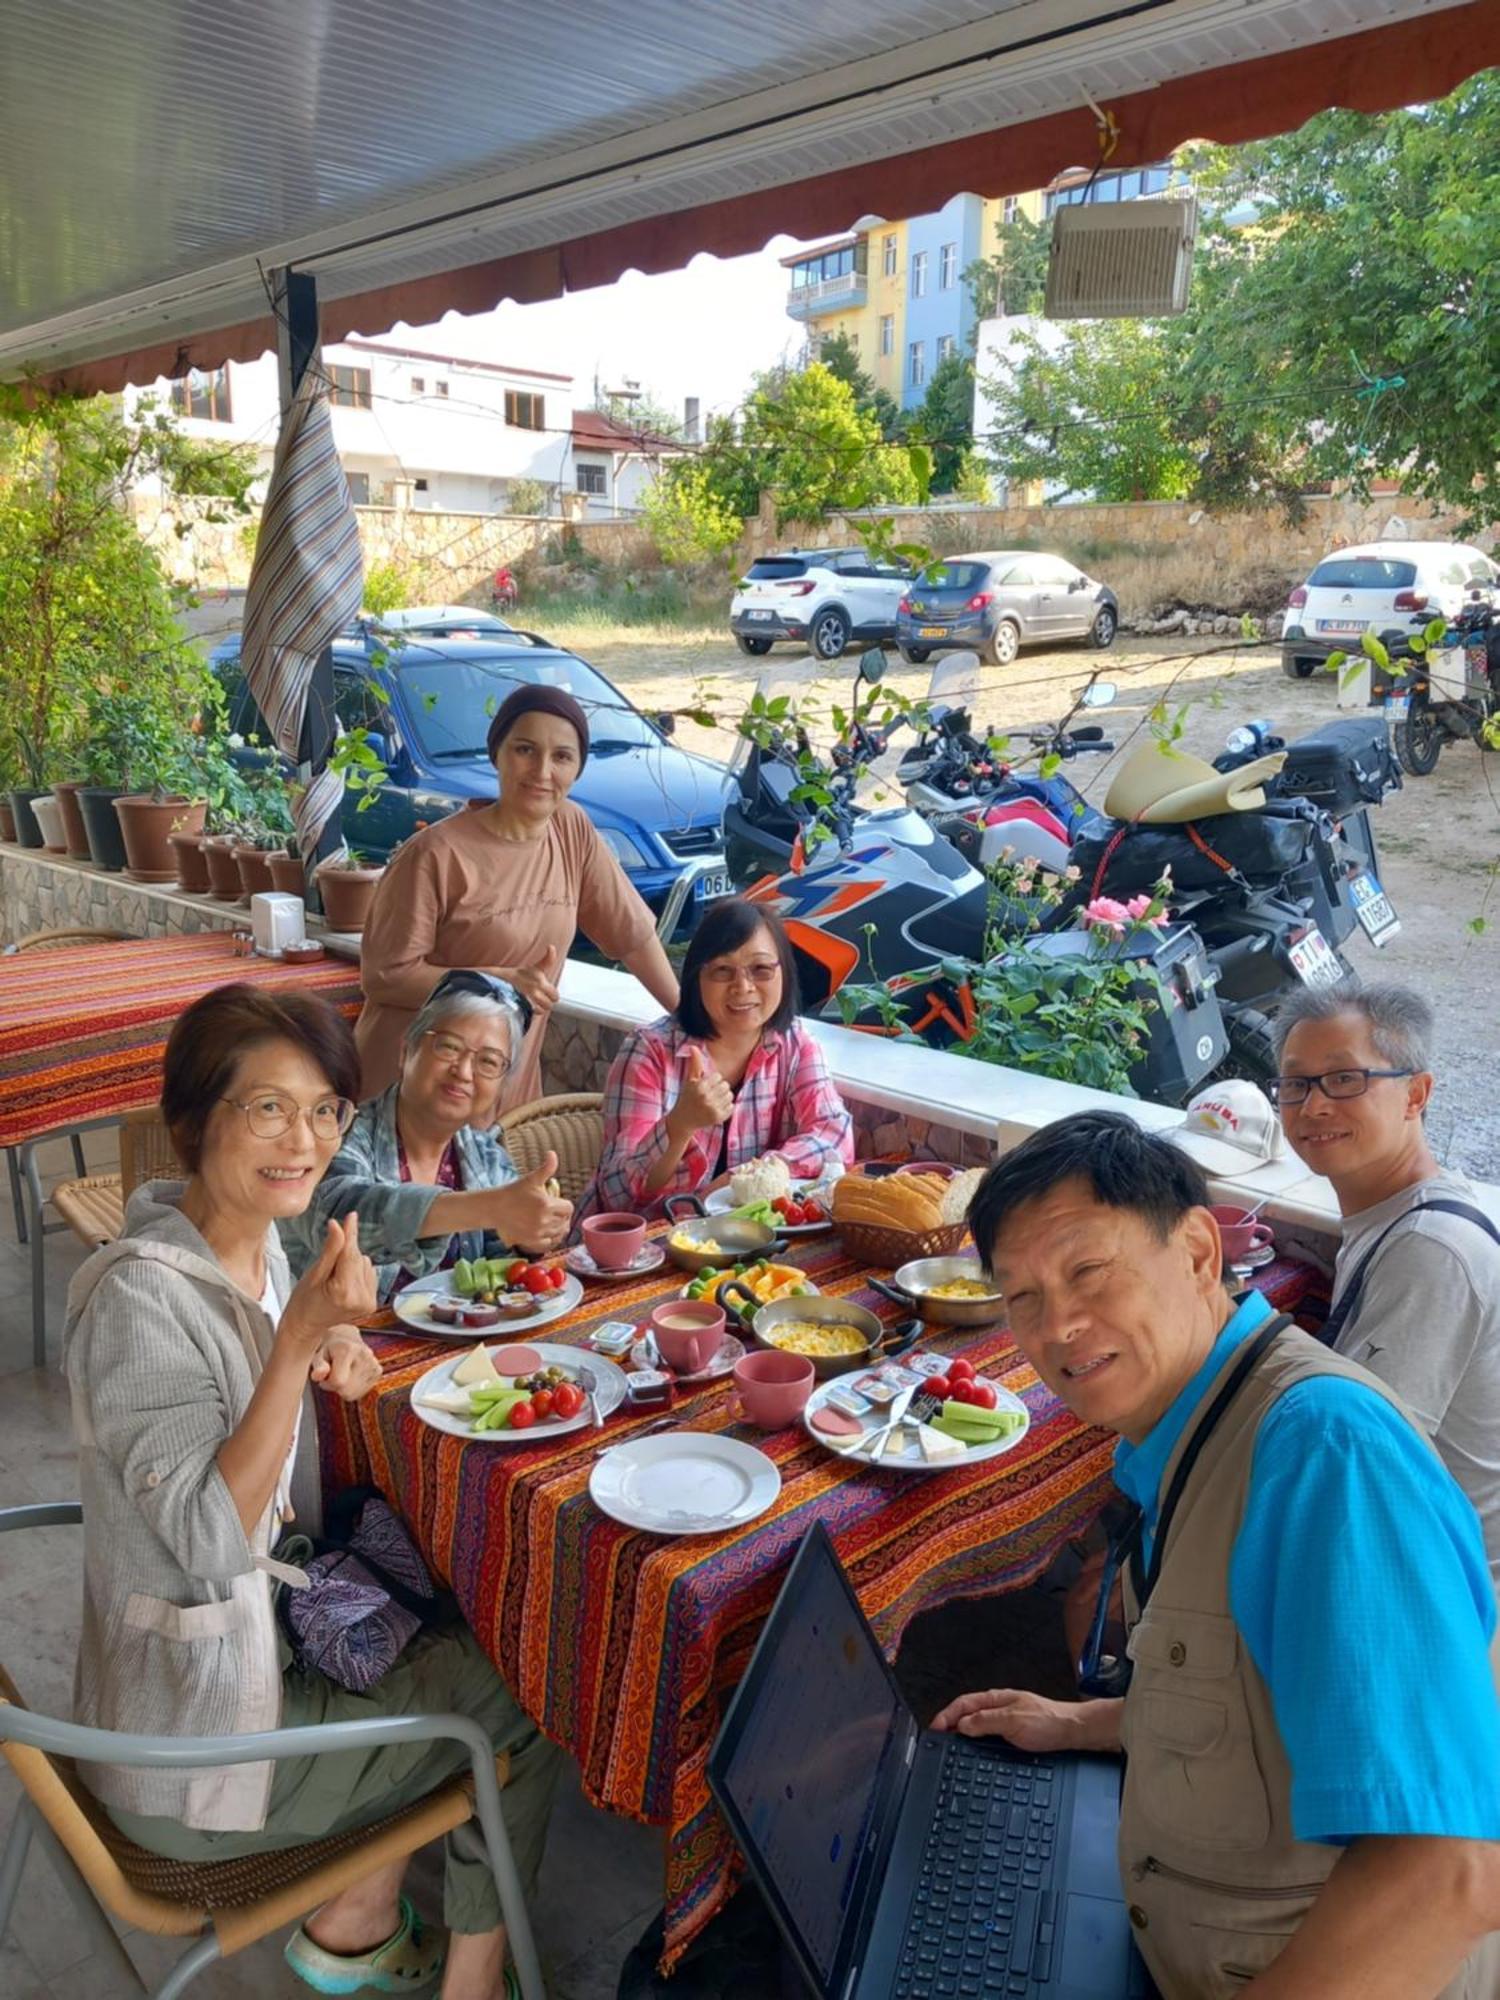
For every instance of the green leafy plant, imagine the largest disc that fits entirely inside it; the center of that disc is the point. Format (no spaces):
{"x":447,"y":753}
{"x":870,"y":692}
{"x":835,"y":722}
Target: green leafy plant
{"x":386,"y":588}
{"x":355,"y":761}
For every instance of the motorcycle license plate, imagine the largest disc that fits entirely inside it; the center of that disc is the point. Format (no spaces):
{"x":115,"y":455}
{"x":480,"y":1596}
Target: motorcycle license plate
{"x":708,"y":887}
{"x":1314,"y":960}
{"x":1373,"y":908}
{"x":1397,"y":707}
{"x":932,"y":631}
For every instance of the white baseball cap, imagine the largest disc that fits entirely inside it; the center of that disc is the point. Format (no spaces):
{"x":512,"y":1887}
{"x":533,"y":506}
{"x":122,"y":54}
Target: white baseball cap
{"x":1231,"y":1128}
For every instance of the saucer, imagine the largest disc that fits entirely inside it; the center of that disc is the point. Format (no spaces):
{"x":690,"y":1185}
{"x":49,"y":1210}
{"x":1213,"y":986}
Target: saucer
{"x":650,"y":1258}
{"x":1257,"y":1260}
{"x":642,"y":1356}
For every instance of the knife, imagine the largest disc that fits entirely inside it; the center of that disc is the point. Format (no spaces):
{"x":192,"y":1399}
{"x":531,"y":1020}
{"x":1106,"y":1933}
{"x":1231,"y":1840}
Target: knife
{"x":875,"y":1442}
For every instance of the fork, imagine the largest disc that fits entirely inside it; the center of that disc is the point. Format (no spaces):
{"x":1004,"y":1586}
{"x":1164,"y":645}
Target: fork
{"x":916,"y":1413}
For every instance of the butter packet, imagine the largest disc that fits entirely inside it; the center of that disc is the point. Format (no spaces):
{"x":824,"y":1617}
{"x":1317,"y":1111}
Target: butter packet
{"x":925,"y":1365}
{"x":875,"y":1389}
{"x":898,"y":1376}
{"x":850,"y":1401}
{"x":614,"y":1338}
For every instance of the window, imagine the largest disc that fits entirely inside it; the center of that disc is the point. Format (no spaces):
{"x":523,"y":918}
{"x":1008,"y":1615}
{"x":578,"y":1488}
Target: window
{"x":888,"y":256}
{"x":945,"y":345}
{"x":419,"y":485}
{"x":887,"y":333}
{"x":947,"y":267}
{"x":203,"y":395}
{"x":419,"y":385}
{"x":916,"y":363}
{"x":526,"y":411}
{"x":919,"y":274}
{"x":593,"y":479}
{"x":1011,"y":208}
{"x":440,"y":388}
{"x":356,"y":703}
{"x":349,"y":388}
{"x":359,"y":488}
{"x":853,"y":340}
{"x":1363,"y":573}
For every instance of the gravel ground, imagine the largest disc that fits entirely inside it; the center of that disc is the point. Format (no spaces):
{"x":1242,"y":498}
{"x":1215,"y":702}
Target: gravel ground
{"x":1439,"y":837}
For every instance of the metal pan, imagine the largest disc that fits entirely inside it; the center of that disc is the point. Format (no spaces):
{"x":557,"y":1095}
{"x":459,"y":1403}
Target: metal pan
{"x":739,"y":1241}
{"x":912,"y":1285}
{"x":882,"y":1342}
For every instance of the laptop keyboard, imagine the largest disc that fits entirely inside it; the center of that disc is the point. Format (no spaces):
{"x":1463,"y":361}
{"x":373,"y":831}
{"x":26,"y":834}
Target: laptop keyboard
{"x":985,"y":1915}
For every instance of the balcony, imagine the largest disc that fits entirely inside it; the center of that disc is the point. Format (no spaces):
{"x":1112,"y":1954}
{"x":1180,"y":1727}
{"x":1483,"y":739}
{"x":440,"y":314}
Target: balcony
{"x":827,"y":295}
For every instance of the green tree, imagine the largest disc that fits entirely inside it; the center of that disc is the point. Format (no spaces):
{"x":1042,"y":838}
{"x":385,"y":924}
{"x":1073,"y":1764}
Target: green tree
{"x":944,"y":420}
{"x":1014,"y":279}
{"x":690,"y":517}
{"x":838,"y":355}
{"x":813,"y":447}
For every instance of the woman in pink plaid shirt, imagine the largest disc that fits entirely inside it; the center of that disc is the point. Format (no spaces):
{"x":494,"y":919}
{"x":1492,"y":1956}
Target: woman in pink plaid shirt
{"x":732,"y":1075}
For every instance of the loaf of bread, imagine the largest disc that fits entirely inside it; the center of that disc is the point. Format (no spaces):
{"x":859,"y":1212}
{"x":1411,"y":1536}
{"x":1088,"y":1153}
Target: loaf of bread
{"x":891,"y":1201}
{"x":959,"y":1192}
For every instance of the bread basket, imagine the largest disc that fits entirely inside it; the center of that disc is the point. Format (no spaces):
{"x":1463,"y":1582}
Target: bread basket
{"x":886,"y":1246}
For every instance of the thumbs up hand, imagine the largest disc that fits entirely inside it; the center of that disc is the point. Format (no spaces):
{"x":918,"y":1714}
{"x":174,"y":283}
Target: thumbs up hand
{"x":705,"y":1100}
{"x":537,"y":979}
{"x":529,"y":1213}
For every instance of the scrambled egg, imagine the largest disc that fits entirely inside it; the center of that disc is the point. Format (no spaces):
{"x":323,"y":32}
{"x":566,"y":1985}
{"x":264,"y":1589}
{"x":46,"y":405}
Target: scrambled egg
{"x":960,"y":1288}
{"x":814,"y":1336}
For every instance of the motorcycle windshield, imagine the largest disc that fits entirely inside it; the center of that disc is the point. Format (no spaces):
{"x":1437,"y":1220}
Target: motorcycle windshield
{"x":954,"y":681}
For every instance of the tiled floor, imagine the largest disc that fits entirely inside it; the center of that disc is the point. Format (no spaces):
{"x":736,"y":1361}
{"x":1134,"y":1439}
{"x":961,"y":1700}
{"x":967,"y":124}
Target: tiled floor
{"x":601,"y":1880}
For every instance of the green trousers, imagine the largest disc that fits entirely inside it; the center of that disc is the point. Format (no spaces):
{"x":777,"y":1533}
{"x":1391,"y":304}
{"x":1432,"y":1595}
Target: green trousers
{"x":438,"y":1673}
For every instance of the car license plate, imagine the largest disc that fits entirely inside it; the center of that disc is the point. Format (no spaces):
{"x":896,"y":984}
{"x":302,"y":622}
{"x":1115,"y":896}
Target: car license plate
{"x":932,"y":631}
{"x":758,"y":614}
{"x":1373,"y":908}
{"x":1314,"y":960}
{"x":1342,"y":625}
{"x":716,"y":883}
{"x":1397,"y":707}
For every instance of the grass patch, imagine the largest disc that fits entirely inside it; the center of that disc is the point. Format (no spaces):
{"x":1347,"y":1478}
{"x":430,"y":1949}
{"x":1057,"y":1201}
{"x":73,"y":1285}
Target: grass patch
{"x":663,"y":605}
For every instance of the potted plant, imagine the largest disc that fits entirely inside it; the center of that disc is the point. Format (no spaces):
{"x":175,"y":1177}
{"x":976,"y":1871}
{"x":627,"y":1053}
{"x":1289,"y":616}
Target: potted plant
{"x":288,"y":872}
{"x":136,"y":761}
{"x":7,"y":816}
{"x":347,"y":885}
{"x":75,"y":834}
{"x":49,"y":818}
{"x":268,"y":828}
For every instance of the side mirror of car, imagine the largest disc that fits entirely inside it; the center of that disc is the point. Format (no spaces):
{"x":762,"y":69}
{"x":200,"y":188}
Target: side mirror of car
{"x":1099,"y":694}
{"x":666,"y":722}
{"x":1079,"y":583}
{"x":872,"y":665}
{"x":379,"y":742}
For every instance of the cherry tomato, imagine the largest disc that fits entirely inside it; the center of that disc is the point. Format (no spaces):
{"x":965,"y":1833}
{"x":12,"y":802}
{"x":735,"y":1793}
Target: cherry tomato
{"x":532,"y":1278}
{"x":567,"y":1399}
{"x":982,"y":1395}
{"x":939,"y":1386}
{"x":962,"y":1390}
{"x":960,"y":1370}
{"x":542,"y":1404}
{"x":559,"y":1277}
{"x":521,"y":1418}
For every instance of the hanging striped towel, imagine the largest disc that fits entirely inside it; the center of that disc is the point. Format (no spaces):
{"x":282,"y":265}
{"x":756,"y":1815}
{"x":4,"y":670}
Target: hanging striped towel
{"x":306,"y":585}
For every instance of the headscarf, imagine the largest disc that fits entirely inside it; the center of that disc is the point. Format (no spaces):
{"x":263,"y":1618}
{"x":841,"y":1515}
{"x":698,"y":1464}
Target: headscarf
{"x":534,"y":698}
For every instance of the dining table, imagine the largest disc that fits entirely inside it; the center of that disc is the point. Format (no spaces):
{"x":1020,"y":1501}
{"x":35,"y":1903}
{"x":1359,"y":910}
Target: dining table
{"x":622,"y":1645}
{"x":82,"y":1034}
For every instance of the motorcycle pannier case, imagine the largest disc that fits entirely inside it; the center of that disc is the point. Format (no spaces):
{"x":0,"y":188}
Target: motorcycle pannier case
{"x":1342,"y":766}
{"x":1261,"y":846}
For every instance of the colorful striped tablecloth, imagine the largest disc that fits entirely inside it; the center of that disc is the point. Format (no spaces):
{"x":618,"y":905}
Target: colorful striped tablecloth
{"x":623,"y":1646}
{"x":82,"y":1030}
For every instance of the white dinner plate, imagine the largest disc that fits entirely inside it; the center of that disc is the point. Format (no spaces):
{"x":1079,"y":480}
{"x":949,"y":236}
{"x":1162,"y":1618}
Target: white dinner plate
{"x":909,"y":1458}
{"x":722,"y":1200}
{"x":609,"y":1390}
{"x":411,"y":1306}
{"x":684,"y":1483}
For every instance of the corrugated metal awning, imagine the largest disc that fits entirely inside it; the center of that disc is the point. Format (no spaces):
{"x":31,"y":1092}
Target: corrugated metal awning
{"x":159,"y":158}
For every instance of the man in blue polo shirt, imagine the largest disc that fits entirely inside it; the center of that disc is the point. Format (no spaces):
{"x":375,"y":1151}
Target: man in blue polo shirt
{"x":1311,"y":1808}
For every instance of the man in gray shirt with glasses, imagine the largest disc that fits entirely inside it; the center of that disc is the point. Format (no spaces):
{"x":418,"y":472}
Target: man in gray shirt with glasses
{"x":1417,"y":1284}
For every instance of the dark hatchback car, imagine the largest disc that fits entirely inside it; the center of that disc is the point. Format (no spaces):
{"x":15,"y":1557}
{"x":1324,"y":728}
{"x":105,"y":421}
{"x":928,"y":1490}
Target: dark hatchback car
{"x":426,"y":706}
{"x":996,"y":602}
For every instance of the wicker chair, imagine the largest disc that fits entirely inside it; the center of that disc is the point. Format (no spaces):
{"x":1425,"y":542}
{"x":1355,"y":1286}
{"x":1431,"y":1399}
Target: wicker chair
{"x":226,"y":1905}
{"x":51,"y":940}
{"x":94,"y":1206}
{"x":570,"y":1126}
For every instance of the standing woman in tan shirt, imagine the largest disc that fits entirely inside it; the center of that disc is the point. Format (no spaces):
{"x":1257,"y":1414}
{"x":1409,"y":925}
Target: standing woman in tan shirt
{"x":503,"y":889}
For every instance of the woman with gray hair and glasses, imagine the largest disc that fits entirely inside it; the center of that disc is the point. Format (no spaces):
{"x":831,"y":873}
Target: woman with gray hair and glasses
{"x":423,"y":1166}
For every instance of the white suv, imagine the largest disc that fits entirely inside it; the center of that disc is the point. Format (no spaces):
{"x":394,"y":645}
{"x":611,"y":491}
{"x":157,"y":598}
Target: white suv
{"x":823,"y":599}
{"x":1377,"y":587}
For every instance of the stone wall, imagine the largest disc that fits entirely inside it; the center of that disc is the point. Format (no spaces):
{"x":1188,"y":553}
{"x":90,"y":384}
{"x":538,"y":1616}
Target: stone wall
{"x":41,"y":891}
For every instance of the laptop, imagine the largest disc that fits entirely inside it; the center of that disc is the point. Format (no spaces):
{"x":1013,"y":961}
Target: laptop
{"x":902,"y":1864}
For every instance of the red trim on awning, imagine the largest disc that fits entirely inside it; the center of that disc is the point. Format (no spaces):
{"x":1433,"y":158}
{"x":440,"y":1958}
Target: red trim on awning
{"x":1375,"y":69}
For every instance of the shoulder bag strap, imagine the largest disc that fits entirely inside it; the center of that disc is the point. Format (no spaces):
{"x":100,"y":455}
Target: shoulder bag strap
{"x":1348,"y":1303}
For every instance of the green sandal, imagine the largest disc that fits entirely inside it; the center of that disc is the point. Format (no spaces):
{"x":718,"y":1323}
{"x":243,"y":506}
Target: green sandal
{"x":406,"y":1962}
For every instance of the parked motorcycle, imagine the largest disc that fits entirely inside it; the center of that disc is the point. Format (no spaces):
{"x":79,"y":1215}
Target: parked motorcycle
{"x":1448,"y":694}
{"x":884,"y":891}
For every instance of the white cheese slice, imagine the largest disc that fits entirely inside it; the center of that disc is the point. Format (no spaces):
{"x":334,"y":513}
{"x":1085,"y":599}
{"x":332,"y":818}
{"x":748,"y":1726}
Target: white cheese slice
{"x":452,"y":1402}
{"x":475,"y":1367}
{"x":938,"y":1446}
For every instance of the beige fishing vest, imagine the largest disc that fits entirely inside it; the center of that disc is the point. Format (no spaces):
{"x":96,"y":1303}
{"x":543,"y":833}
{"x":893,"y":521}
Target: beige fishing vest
{"x":1215,"y":1879}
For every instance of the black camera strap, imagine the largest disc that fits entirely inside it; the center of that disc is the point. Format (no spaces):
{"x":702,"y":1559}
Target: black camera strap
{"x":1348,"y":1301}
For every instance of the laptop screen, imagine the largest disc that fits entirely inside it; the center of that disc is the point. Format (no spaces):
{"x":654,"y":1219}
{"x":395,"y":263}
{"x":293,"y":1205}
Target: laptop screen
{"x":807,"y":1742}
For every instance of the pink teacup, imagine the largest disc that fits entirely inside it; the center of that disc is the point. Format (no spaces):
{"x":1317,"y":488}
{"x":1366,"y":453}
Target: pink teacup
{"x":688,"y":1333}
{"x":614,"y":1241}
{"x":773,"y":1387}
{"x":1240,"y":1234}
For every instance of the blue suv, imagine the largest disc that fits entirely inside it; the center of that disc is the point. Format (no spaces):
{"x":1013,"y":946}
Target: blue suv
{"x":426,"y":708}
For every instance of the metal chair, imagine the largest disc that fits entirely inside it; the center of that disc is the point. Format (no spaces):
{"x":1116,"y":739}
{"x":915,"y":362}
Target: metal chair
{"x":571,"y":1126}
{"x":94,"y":1207}
{"x":49,"y":940}
{"x":226,"y":1905}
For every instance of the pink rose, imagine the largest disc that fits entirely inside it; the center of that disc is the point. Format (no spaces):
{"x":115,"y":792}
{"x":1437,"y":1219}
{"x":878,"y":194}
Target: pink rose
{"x":1104,"y":913}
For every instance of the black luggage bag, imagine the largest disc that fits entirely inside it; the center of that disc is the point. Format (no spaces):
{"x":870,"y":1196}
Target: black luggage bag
{"x":1342,"y":766}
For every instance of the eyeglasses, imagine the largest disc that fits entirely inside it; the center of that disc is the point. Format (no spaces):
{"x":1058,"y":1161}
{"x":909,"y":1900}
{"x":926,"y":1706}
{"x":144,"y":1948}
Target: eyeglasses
{"x":271,"y":1115}
{"x":488,"y":1063}
{"x":1333,"y":1083}
{"x":764,"y":973}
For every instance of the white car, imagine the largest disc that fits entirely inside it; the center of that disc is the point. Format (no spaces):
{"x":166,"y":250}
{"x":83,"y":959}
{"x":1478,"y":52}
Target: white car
{"x":1377,"y":587}
{"x":823,"y":599}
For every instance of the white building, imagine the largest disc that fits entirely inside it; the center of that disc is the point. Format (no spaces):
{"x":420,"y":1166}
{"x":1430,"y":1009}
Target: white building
{"x":434,"y":431}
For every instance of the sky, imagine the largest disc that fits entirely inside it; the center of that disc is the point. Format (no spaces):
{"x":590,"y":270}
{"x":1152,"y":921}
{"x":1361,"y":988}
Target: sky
{"x":702,"y":331}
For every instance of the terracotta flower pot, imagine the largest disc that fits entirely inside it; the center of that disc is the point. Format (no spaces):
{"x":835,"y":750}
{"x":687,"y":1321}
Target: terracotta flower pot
{"x":28,"y":832}
{"x":7,"y":818}
{"x":102,"y":824}
{"x":49,"y":818}
{"x":192,"y":863}
{"x":75,"y":833}
{"x":254,"y":864}
{"x":288,"y":874}
{"x":347,"y":895}
{"x":223,"y":872}
{"x":148,"y":825}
